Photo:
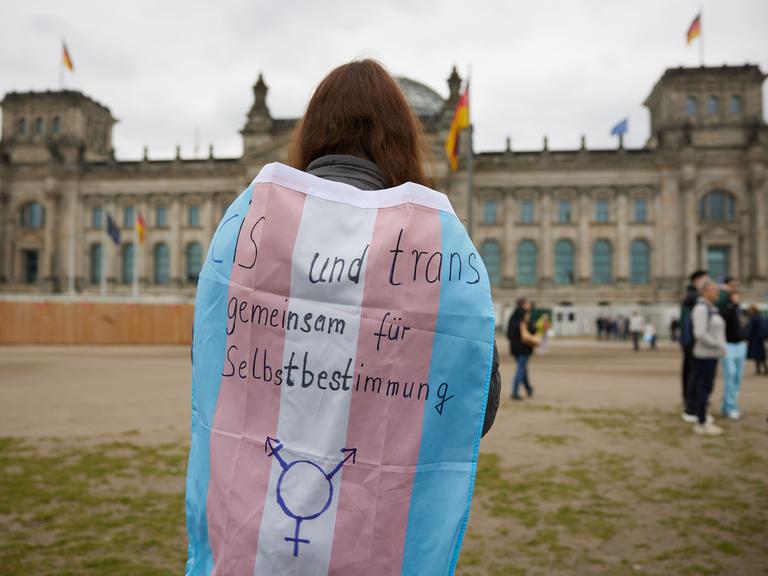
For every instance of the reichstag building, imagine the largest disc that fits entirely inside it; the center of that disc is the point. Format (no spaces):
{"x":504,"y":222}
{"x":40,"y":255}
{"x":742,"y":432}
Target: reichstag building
{"x":581,"y":231}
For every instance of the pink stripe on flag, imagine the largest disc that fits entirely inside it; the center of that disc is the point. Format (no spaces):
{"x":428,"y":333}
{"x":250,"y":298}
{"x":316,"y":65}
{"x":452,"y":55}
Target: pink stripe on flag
{"x":248,"y":404}
{"x":375,"y":493}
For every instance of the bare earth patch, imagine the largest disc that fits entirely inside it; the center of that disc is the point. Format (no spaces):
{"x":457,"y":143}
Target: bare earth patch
{"x":594,"y":475}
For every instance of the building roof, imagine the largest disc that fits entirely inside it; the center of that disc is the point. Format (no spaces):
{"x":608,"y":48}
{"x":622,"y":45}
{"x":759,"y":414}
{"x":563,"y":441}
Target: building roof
{"x":423,"y":99}
{"x":70,"y":96}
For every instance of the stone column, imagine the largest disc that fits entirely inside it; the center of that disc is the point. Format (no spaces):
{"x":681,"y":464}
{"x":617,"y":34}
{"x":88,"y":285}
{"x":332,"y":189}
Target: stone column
{"x":584,"y":249}
{"x":543,"y":214}
{"x":689,"y":218}
{"x":176,"y":214}
{"x":209,"y":216}
{"x":144,"y":249}
{"x":510,"y":237}
{"x":622,"y":242}
{"x":57,"y":250}
{"x":6,"y":220}
{"x":759,"y":191}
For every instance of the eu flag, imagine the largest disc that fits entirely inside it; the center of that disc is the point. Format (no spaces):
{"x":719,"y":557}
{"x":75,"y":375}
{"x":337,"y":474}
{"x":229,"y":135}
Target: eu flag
{"x":112,"y":230}
{"x":620,"y":128}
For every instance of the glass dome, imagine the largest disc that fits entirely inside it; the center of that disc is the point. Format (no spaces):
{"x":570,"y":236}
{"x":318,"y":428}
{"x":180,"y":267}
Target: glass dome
{"x":424,"y":101}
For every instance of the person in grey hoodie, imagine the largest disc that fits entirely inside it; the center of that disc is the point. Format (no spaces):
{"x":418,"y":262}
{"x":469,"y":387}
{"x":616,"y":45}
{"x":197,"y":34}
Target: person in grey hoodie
{"x":709,"y":335}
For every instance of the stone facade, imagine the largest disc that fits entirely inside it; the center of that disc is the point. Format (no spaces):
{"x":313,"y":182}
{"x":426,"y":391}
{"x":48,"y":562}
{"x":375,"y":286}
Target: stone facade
{"x":582,"y":228}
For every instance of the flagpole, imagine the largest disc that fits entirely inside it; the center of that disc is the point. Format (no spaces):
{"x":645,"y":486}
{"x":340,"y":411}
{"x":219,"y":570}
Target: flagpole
{"x":72,"y":244}
{"x":61,"y":67}
{"x":701,"y":36}
{"x":104,"y":247}
{"x":136,"y":256}
{"x":470,"y":156}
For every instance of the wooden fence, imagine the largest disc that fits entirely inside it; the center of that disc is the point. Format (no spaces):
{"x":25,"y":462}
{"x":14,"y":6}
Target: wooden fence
{"x":44,"y":322}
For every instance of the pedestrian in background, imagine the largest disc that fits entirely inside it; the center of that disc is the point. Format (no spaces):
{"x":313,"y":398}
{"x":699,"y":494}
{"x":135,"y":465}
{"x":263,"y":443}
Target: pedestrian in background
{"x":636,"y":328}
{"x":543,"y":326}
{"x":736,"y":353}
{"x":650,"y":335}
{"x":756,"y":336}
{"x":709,"y":346}
{"x":521,"y":345}
{"x":686,"y":340}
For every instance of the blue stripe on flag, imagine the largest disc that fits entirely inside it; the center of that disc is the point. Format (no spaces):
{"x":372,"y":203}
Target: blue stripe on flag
{"x":462,"y":356}
{"x":207,"y":365}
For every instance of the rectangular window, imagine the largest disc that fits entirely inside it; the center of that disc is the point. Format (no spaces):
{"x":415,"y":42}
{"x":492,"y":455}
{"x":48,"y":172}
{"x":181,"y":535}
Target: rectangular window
{"x":735,"y":104}
{"x":564,"y":212}
{"x":719,"y":261}
{"x":31,"y":262}
{"x":526,"y":212}
{"x":489,"y":211}
{"x":193,"y":216}
{"x":161,"y":216}
{"x":97,"y":217}
{"x":129,"y":217}
{"x":601,"y":210}
{"x":641,"y":210}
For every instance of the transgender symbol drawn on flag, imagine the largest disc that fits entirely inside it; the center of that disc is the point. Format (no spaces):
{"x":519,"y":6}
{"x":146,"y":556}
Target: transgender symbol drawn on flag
{"x":307,"y":488}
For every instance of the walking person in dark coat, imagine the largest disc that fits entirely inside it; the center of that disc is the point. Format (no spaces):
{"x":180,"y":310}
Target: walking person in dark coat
{"x":756,"y":341}
{"x":521,"y":345}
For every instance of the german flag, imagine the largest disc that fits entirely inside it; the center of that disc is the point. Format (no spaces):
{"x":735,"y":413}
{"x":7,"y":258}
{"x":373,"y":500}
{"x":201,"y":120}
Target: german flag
{"x":66,"y":58}
{"x":140,"y":227}
{"x":459,"y":122}
{"x":694,"y":30}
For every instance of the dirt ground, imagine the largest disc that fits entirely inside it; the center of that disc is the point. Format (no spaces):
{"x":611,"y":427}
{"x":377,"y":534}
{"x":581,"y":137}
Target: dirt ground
{"x":595,"y":474}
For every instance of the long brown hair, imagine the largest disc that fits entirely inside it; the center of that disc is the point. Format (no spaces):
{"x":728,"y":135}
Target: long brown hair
{"x":358,"y":109}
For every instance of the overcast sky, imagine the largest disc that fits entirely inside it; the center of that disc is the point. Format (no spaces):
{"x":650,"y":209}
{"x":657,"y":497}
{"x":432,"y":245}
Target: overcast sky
{"x":171,"y":69}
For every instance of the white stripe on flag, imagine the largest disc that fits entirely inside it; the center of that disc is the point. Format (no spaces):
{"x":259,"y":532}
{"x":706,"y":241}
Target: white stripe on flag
{"x":312,"y":426}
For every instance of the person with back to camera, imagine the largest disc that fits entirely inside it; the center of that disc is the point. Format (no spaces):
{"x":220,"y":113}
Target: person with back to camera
{"x":736,"y":345}
{"x":709,"y":335}
{"x":686,"y":341}
{"x":521,"y":345}
{"x":636,"y":328}
{"x":338,"y":497}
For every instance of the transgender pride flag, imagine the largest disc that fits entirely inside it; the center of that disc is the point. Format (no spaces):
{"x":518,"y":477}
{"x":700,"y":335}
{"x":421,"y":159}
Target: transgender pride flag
{"x":342,"y":352}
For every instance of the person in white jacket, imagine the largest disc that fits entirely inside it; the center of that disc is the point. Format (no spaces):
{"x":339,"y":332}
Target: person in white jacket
{"x":709,"y":335}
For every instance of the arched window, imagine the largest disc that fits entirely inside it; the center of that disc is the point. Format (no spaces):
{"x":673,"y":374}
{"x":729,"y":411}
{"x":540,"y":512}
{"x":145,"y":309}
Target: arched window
{"x":128,"y":263}
{"x":526,"y":263}
{"x":96,"y":259}
{"x":717,"y":206}
{"x":564,"y":262}
{"x":735,"y":104}
{"x":39,"y":126}
{"x":32,"y":215}
{"x":713,"y":105}
{"x":56,"y":125}
{"x":22,"y":126}
{"x":692,"y":106}
{"x":194,"y":261}
{"x":640,"y":262}
{"x":162,"y":263}
{"x":602,"y":262}
{"x":490,"y":252}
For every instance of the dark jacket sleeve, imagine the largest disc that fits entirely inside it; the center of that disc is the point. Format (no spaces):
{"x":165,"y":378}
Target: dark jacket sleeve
{"x":494,"y":391}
